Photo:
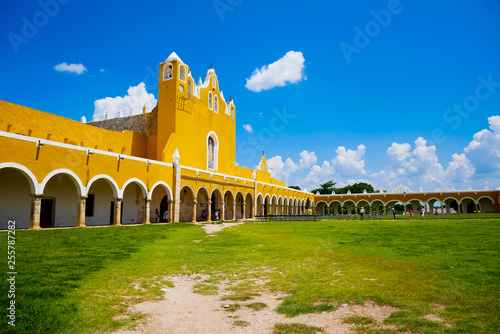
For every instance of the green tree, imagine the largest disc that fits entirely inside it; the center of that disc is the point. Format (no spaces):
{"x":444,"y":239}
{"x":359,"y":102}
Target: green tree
{"x":294,"y":187}
{"x":356,"y":188}
{"x":325,"y":188}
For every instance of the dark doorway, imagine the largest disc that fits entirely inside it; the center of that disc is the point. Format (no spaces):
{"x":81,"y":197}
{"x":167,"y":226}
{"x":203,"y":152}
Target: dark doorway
{"x":265,"y":206}
{"x":47,"y":213}
{"x":164,"y":210}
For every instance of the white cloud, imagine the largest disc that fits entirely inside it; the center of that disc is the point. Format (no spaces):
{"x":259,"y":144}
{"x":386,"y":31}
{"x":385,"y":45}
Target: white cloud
{"x":72,"y":68}
{"x":101,"y":70}
{"x":288,"y":69}
{"x":349,"y":162}
{"x":484,"y":149}
{"x":248,"y":128}
{"x":318,"y":175}
{"x":130,"y":104}
{"x":307,"y":159}
{"x":281,"y":170}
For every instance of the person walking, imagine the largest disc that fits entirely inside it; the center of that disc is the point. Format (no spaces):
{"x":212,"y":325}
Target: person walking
{"x":362,"y":213}
{"x":436,"y":213}
{"x":422,"y":212}
{"x":394,"y":212}
{"x":204,"y":215}
{"x":411,"y":213}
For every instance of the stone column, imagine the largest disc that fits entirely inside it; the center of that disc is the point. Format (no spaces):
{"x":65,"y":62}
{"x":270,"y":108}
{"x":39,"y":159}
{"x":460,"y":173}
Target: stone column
{"x":223,"y":211}
{"x":170,"y":211}
{"x":118,"y":212}
{"x":80,"y":216}
{"x":193,"y":218}
{"x":147,"y":211}
{"x":243,"y":212}
{"x":177,"y":188}
{"x":36,"y":206}
{"x":209,"y":212}
{"x":234,"y":211}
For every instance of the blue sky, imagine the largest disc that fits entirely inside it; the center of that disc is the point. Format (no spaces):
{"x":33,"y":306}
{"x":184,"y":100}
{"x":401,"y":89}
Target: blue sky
{"x":374,"y":88}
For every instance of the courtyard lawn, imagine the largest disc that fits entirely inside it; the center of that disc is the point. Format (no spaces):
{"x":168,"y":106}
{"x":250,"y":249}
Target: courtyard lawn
{"x":82,"y":280}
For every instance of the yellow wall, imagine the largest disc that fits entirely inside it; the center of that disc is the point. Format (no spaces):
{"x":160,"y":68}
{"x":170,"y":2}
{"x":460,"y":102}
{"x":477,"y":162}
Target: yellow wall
{"x":38,"y":124}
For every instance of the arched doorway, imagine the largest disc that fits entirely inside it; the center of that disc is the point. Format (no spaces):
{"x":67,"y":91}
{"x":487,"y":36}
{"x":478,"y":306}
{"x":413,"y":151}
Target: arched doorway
{"x":228,"y":205}
{"x":15,"y":198}
{"x":59,"y":205}
{"x":249,"y":206}
{"x":216,"y":206}
{"x":187,"y":203}
{"x":100,"y":203}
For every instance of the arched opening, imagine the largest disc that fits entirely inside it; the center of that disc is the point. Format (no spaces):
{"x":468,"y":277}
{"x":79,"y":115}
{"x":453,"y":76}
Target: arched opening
{"x":159,"y":206}
{"x":59,"y":205}
{"x":468,"y":205}
{"x":260,"y":205}
{"x":186,"y":205}
{"x":308,"y":205}
{"x":486,"y":205}
{"x":228,"y":205}
{"x":335,"y":207}
{"x":216,"y":206}
{"x":274,"y":206}
{"x":100,"y":203}
{"x":212,"y":151}
{"x":132,"y":206}
{"x":216,"y":104}
{"x":182,"y":72}
{"x":321,"y":208}
{"x":202,"y":210}
{"x":210,"y":100}
{"x":168,"y":71}
{"x":267,"y":205}
{"x":190,"y":89}
{"x":249,"y":206}
{"x":15,"y":198}
{"x":240,"y":206}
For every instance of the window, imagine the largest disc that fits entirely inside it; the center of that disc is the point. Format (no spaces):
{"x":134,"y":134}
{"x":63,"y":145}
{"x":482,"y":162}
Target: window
{"x":213,"y":81}
{"x":216,"y":104}
{"x":210,"y":105}
{"x":89,"y":206}
{"x":211,"y":153}
{"x":167,"y":71}
{"x":182,"y":72}
{"x":190,"y":89}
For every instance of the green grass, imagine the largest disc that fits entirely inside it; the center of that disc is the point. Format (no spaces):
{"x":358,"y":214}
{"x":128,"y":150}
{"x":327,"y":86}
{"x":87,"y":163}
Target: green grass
{"x":241,"y":323}
{"x":205,"y":289}
{"x":77,"y":280}
{"x":296,"y":329}
{"x":256,"y":306}
{"x":358,"y":320}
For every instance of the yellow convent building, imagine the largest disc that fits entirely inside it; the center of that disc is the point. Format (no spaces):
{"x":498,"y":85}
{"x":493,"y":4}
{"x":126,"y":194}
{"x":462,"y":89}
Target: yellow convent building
{"x":168,"y":165}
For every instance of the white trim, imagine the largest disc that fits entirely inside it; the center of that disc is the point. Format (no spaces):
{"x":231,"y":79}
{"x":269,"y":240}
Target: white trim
{"x":104,"y":177}
{"x":80,"y":189}
{"x":80,"y":148}
{"x":32,"y":180}
{"x":161,"y":183}
{"x":139,"y":182}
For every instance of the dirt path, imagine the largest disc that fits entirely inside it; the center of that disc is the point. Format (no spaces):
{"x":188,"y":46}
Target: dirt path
{"x":183,"y":311}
